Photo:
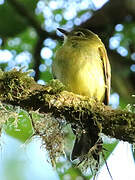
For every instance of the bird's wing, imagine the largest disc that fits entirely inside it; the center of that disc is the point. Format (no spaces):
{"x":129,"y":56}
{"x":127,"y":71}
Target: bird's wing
{"x":107,"y":72}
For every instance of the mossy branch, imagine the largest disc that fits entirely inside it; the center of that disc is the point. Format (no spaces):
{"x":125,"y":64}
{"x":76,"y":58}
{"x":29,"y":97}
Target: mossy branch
{"x":17,"y":88}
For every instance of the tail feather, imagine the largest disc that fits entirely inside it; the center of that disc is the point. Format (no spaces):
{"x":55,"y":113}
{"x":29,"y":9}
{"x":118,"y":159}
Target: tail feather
{"x":83,"y":144}
{"x":81,"y":147}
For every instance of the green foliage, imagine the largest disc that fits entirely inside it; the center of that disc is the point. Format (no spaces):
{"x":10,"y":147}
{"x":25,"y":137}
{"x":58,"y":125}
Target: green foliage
{"x":15,"y":26}
{"x":67,"y":169}
{"x":15,"y":122}
{"x":127,"y":38}
{"x":46,"y":75}
{"x":11,"y":23}
{"x":22,"y":42}
{"x":128,"y":34}
{"x":109,"y":147}
{"x":19,"y":127}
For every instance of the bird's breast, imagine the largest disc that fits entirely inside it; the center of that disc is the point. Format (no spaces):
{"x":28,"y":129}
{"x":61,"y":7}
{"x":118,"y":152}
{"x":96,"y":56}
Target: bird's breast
{"x":81,"y":70}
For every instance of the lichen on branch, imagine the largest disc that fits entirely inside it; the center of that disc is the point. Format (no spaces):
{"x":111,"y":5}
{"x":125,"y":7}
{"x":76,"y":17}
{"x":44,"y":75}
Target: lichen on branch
{"x":17,"y":88}
{"x":52,"y":100}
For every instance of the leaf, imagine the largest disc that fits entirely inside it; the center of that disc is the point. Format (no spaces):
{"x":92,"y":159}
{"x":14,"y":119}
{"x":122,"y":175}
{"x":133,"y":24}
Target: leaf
{"x":109,"y":148}
{"x":66,"y":169}
{"x":46,"y":76}
{"x":20,"y":127}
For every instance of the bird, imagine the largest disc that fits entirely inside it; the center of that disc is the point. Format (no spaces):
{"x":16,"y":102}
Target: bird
{"x":82,"y":65}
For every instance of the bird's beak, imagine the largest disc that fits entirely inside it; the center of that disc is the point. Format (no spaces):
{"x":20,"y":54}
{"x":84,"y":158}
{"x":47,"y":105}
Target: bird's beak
{"x":63,"y":31}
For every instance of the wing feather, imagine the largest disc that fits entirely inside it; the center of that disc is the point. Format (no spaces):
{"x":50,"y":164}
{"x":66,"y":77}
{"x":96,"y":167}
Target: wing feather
{"x":107,"y":72}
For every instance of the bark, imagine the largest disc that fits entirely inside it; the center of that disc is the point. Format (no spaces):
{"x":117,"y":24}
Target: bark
{"x":17,"y":88}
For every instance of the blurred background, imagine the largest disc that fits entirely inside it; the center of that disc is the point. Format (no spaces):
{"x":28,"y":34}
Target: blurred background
{"x":29,"y":40}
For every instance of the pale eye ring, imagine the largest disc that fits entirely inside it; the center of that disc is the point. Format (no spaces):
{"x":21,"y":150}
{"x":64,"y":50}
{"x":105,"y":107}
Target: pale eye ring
{"x":79,"y":33}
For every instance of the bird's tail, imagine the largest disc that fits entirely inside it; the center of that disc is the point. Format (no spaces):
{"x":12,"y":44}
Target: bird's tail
{"x":82,"y":146}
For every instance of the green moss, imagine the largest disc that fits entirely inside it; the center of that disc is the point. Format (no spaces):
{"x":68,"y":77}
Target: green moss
{"x":14,"y":84}
{"x":56,"y":86}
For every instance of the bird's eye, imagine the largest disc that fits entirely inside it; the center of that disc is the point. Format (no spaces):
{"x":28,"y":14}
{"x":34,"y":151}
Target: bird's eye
{"x":79,"y":33}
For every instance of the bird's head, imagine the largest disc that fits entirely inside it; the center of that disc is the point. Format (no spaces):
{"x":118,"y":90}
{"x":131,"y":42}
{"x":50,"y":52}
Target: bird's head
{"x":78,"y":34}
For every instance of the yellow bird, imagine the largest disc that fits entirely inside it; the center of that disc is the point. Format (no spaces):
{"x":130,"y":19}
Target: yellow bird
{"x":82,"y":65}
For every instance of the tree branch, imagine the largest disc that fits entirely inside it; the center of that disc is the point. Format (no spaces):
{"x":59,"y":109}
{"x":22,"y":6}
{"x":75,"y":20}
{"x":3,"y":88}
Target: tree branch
{"x":37,"y":56}
{"x":18,"y":89}
{"x":112,"y":13}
